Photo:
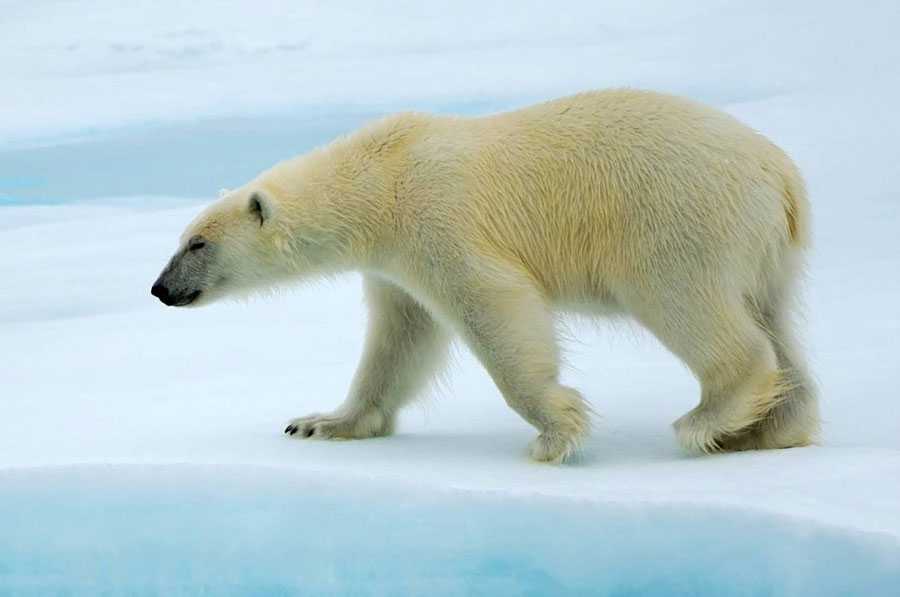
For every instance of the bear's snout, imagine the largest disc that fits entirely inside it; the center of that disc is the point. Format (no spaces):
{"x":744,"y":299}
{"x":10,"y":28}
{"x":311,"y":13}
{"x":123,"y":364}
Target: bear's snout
{"x":173,"y":299}
{"x":185,"y":277}
{"x":161,"y":292}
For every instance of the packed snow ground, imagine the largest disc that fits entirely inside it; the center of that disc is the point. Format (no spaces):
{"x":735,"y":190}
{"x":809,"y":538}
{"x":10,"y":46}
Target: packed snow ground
{"x":142,"y":116}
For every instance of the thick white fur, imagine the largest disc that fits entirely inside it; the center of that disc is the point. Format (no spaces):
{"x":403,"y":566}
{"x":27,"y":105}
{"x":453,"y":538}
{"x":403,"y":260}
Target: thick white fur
{"x":625,"y":201}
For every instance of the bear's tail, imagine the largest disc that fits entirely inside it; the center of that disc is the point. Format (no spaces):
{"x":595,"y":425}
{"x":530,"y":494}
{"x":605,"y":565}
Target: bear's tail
{"x":796,"y":204}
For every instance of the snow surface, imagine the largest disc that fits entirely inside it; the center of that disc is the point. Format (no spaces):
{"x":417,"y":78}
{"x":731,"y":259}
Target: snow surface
{"x":119,"y":119}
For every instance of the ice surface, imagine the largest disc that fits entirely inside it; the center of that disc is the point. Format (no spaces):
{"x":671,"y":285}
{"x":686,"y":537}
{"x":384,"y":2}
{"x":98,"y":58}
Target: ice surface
{"x":188,"y":530}
{"x":119,"y":119}
{"x":78,"y":67}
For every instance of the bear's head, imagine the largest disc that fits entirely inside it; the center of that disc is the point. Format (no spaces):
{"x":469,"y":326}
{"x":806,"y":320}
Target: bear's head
{"x":315,"y":215}
{"x":231,"y":247}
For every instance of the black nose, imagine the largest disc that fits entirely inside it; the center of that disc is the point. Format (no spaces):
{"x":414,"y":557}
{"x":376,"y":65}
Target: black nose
{"x":162,"y":293}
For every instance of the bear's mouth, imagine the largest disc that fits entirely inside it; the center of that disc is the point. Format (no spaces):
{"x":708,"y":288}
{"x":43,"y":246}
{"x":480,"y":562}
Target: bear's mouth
{"x":188,"y":299}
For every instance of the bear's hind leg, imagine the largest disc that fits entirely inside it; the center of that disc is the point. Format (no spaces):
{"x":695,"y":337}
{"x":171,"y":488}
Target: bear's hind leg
{"x":508,"y":326}
{"x":404,"y":348}
{"x":730,"y":355}
{"x":794,"y":420}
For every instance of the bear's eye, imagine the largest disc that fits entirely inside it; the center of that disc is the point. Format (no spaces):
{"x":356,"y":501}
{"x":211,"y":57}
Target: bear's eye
{"x":196,"y":244}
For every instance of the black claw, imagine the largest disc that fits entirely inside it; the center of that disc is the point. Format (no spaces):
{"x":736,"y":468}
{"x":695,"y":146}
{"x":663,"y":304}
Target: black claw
{"x":309,"y":432}
{"x":287,"y":429}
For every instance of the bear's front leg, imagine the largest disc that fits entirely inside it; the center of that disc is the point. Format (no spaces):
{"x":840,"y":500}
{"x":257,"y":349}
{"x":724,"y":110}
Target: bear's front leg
{"x":508,"y":325}
{"x":404,"y":348}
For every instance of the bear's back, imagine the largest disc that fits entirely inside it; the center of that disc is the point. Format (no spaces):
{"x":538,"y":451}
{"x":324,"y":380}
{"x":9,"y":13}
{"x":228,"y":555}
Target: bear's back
{"x":607,"y":178}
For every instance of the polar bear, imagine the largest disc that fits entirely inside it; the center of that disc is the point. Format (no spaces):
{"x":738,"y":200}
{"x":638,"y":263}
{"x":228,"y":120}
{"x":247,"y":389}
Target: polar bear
{"x":619,"y":201}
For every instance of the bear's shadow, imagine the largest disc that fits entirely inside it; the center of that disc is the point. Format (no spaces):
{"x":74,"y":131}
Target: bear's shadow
{"x":634,"y":446}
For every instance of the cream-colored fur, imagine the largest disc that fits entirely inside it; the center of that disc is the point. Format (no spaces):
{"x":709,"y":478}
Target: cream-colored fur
{"x":613,"y":201}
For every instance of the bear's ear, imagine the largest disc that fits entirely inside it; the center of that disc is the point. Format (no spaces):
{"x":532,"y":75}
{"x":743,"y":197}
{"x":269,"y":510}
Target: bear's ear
{"x":260,"y":207}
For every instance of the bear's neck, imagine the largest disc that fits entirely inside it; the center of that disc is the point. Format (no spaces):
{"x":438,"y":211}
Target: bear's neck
{"x":347,"y":192}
